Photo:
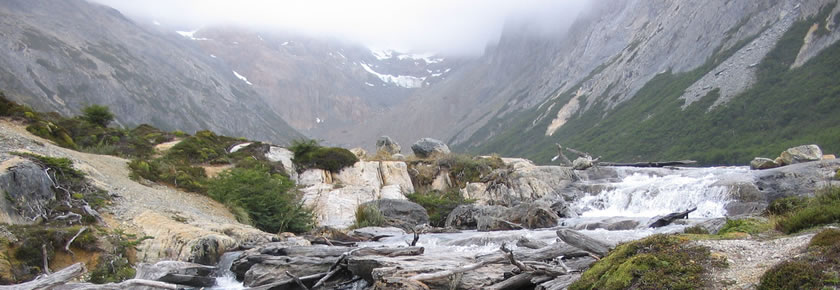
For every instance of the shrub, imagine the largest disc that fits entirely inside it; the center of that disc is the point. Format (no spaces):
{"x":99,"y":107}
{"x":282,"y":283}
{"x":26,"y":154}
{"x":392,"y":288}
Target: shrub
{"x":269,"y":199}
{"x":655,"y":262}
{"x":822,"y":209}
{"x":178,"y":173}
{"x":97,"y":114}
{"x":115,"y":266}
{"x":308,"y":154}
{"x":791,"y":275}
{"x":825,"y":238}
{"x":368,"y":216}
{"x":204,"y":147}
{"x":439,"y":204}
{"x":785,"y":205}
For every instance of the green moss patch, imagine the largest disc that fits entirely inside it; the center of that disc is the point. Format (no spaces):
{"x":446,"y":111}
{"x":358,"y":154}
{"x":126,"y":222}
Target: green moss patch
{"x":308,"y":154}
{"x":655,"y":262}
{"x":749,"y":226}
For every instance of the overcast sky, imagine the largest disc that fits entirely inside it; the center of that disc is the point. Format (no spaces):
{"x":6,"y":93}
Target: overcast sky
{"x":447,"y":26}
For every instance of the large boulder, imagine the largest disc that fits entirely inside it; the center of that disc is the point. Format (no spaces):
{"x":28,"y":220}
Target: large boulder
{"x":359,"y":153}
{"x":28,"y":191}
{"x":498,"y":218}
{"x":387,"y":145}
{"x":763,"y":163}
{"x":801,"y":154}
{"x":402,"y":212}
{"x":428,"y":147}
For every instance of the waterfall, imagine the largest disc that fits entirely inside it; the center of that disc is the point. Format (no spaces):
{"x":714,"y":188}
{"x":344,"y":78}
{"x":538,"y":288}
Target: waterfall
{"x":653,"y":192}
{"x":225,"y":279}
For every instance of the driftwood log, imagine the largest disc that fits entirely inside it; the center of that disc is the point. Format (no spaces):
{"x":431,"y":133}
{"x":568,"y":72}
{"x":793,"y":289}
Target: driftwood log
{"x":583,"y":242}
{"x":51,"y":280}
{"x":669,"y":218}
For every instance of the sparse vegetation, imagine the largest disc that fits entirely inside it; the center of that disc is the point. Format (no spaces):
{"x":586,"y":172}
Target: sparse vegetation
{"x":464,"y":169}
{"x":439,"y":204}
{"x":115,"y":265}
{"x":655,"y":262}
{"x":368,"y":216}
{"x":822,"y":209}
{"x":308,"y":154}
{"x":696,"y":230}
{"x":27,"y":255}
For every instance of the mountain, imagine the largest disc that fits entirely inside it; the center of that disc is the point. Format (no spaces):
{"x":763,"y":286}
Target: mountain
{"x":718,"y":81}
{"x":322,"y":86}
{"x":62,"y":55}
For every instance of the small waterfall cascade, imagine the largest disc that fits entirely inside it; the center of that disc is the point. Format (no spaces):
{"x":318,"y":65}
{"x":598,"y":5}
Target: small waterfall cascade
{"x":225,"y":279}
{"x":654,"y":192}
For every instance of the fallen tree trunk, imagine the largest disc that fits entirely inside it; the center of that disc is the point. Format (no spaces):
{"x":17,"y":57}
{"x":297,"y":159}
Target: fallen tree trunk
{"x":583,"y":242}
{"x":649,"y":164}
{"x":127,"y":284}
{"x":668,"y":219}
{"x":51,"y":280}
{"x":389,"y":252}
{"x":521,"y":281}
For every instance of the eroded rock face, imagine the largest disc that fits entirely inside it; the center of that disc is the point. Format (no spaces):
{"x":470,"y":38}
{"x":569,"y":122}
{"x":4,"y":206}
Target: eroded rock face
{"x":196,"y":243}
{"x":428,"y":147}
{"x":335,"y":196}
{"x":284,"y":156}
{"x":175,"y":272}
{"x":801,"y":154}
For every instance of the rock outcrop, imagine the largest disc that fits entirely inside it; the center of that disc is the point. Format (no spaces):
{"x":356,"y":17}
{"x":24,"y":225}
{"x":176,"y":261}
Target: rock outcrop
{"x":27,"y":189}
{"x":335,"y":196}
{"x":801,"y":154}
{"x":401,"y":213}
{"x":763,"y":163}
{"x":495,"y":218}
{"x":428,"y":147}
{"x":387,"y":145}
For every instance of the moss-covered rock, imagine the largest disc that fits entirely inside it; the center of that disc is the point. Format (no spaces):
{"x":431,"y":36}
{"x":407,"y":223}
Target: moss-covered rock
{"x":655,"y":262}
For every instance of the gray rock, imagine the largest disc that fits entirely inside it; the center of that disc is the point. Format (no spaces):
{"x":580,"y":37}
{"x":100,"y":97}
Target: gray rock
{"x":273,"y":269}
{"x":801,"y":154}
{"x":428,"y":147}
{"x":496,"y":218}
{"x":398,"y":157}
{"x":713,"y":226}
{"x":27,"y":189}
{"x":176,"y":272}
{"x":359,"y":152}
{"x":387,"y":145}
{"x":403,"y":211}
{"x":610,"y":225}
{"x":763,"y":163}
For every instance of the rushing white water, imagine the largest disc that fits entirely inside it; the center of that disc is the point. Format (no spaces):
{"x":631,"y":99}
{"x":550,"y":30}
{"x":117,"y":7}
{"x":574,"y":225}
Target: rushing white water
{"x":225,"y":279}
{"x":658,"y":192}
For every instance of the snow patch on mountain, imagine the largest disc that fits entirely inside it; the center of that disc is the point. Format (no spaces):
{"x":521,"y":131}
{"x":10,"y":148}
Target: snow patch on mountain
{"x":243,"y":78}
{"x":409,"y":82}
{"x":191,"y":35}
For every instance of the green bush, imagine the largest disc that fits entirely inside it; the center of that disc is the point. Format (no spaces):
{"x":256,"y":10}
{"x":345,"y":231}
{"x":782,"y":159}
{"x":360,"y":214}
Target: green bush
{"x":98,"y":115}
{"x":204,"y":147}
{"x":115,"y":266}
{"x":269,"y":199}
{"x":308,"y":154}
{"x":368,"y":216}
{"x":785,"y":205}
{"x":439,"y":204}
{"x":655,"y":262}
{"x":30,"y":239}
{"x":791,"y":275}
{"x":822,"y":209}
{"x":825,"y":238}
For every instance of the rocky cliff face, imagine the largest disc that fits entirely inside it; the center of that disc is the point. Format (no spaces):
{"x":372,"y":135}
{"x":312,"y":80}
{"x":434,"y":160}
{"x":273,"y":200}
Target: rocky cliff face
{"x":549,"y":89}
{"x":61,"y":56}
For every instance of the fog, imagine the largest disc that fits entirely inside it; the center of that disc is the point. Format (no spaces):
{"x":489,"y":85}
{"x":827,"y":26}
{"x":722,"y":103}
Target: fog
{"x":441,"y":26}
